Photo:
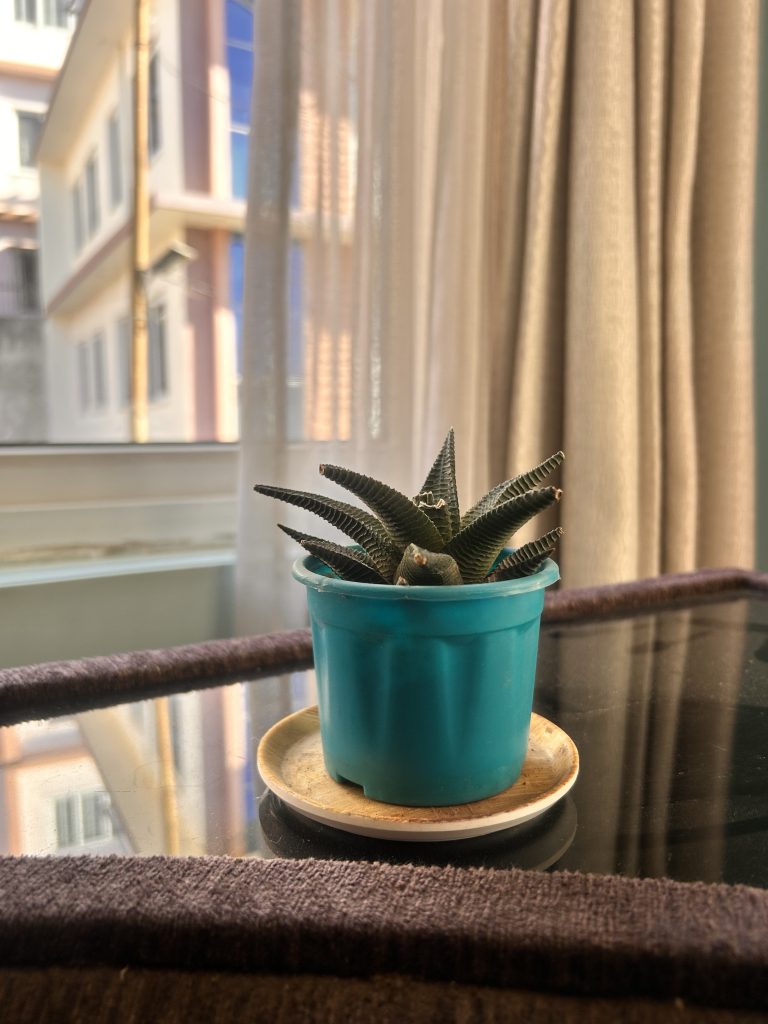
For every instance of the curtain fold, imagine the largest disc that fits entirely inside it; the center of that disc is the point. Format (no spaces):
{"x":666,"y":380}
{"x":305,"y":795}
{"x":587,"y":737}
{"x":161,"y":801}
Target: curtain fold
{"x":531,"y":221}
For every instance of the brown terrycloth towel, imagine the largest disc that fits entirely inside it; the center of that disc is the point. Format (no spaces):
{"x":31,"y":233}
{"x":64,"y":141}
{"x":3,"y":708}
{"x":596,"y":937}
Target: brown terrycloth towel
{"x":101,"y":995}
{"x":562,"y":934}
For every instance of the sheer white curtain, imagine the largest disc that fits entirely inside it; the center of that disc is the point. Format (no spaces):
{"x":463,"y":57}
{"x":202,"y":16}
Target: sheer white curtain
{"x":531,"y":221}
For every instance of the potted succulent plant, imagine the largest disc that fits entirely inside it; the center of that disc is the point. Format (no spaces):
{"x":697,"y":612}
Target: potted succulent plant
{"x":425,"y":631}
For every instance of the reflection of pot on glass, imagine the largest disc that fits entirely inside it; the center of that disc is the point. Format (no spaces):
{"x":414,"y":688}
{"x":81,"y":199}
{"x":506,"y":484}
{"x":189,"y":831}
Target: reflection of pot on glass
{"x":535,"y":845}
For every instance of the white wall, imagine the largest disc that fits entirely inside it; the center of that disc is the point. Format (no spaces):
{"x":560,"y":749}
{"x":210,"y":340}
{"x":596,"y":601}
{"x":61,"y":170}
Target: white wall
{"x":171,"y":417}
{"x":34,"y":46}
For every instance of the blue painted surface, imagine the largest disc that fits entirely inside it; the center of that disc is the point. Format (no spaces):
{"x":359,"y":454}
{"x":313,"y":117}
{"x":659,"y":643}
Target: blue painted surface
{"x":425,"y":693}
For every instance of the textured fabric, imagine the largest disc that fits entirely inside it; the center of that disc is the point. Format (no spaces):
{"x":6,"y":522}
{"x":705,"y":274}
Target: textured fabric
{"x":559,"y":933}
{"x":532,"y":222}
{"x":103,"y":996}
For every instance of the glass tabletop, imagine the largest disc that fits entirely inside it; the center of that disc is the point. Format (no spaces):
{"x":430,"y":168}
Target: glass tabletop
{"x":669,"y":711}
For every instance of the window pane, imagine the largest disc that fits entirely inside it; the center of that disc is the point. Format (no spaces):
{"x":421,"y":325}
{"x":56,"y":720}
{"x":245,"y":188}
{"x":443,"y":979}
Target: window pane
{"x":124,"y":360}
{"x":26,"y":10}
{"x":56,"y":13}
{"x":84,"y":375}
{"x":26,"y":280}
{"x":239,"y":22}
{"x":99,"y":372}
{"x":30,"y":126}
{"x":155,"y":138}
{"x":158,"y":365}
{"x":240,"y":63}
{"x":236,"y":283}
{"x":77,"y":216}
{"x":67,"y":831}
{"x":239,"y":164}
{"x":97,"y":823}
{"x":92,"y":195}
{"x":115,"y":167}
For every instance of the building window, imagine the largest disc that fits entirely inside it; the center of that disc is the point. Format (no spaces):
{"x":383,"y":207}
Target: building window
{"x":77,"y":216}
{"x":84,"y":375}
{"x":82,"y":818}
{"x":26,"y":10}
{"x":56,"y":13}
{"x":26,"y":281}
{"x":158,"y":353}
{"x":99,"y":372}
{"x":240,"y":58}
{"x":30,"y":126}
{"x":115,"y":166}
{"x":154,"y":132}
{"x":124,"y":360}
{"x":92,"y":210}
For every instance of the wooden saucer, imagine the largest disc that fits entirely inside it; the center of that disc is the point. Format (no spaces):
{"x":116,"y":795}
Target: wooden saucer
{"x":290,"y":761}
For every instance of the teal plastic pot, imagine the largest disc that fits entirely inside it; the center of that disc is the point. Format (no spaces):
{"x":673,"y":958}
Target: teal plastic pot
{"x":424,"y":693}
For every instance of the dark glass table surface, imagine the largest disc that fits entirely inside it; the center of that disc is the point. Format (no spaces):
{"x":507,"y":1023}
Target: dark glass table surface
{"x":669,"y":711}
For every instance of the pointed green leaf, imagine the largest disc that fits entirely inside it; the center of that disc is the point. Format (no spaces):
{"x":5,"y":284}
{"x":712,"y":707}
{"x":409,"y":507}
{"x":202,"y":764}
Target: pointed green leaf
{"x":477,"y":546}
{"x":441,"y":480}
{"x":356,"y":523}
{"x":528,"y":559}
{"x":421,"y":568}
{"x":510,"y":488}
{"x":437,"y":512}
{"x":405,"y":523}
{"x":351,"y":565}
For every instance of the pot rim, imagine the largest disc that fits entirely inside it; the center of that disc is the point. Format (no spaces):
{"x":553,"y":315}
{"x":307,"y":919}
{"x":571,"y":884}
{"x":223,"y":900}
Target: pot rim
{"x":305,"y":572}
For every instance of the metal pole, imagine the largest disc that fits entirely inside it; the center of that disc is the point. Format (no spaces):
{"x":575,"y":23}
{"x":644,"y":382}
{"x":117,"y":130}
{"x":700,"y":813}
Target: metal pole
{"x":140,"y":254}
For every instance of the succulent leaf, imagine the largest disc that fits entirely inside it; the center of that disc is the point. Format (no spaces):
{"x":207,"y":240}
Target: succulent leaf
{"x":528,"y":559}
{"x":437,"y":512}
{"x":404,"y":521}
{"x":348,"y":564}
{"x":356,"y":523}
{"x":441,"y":480}
{"x":422,"y":568}
{"x":476,"y":546}
{"x":511,"y":488}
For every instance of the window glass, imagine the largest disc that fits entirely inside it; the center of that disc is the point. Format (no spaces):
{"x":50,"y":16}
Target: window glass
{"x":26,"y":281}
{"x":155,"y":135}
{"x":84,"y":375}
{"x":158,"y":356}
{"x":99,"y":372}
{"x":26,"y":10}
{"x":67,"y":830}
{"x":239,"y":141}
{"x":30,"y":126}
{"x":124,"y":360}
{"x":236,"y":285}
{"x":56,"y":13}
{"x":239,"y":22}
{"x":77,"y":216}
{"x":97,"y":823}
{"x":115,"y":165}
{"x":240,"y":63}
{"x":93,"y":213}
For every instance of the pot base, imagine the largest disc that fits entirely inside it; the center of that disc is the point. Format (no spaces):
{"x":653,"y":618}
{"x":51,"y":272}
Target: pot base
{"x":290,"y":761}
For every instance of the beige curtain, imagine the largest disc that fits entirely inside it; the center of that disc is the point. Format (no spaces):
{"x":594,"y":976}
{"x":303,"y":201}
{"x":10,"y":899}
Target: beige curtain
{"x":530,"y":220}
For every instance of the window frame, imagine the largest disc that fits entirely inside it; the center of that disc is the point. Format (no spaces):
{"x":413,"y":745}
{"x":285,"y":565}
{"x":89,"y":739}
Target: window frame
{"x":28,"y":117}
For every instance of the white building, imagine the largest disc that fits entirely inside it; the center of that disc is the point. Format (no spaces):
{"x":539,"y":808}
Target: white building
{"x":34,"y":35}
{"x":200,"y":78}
